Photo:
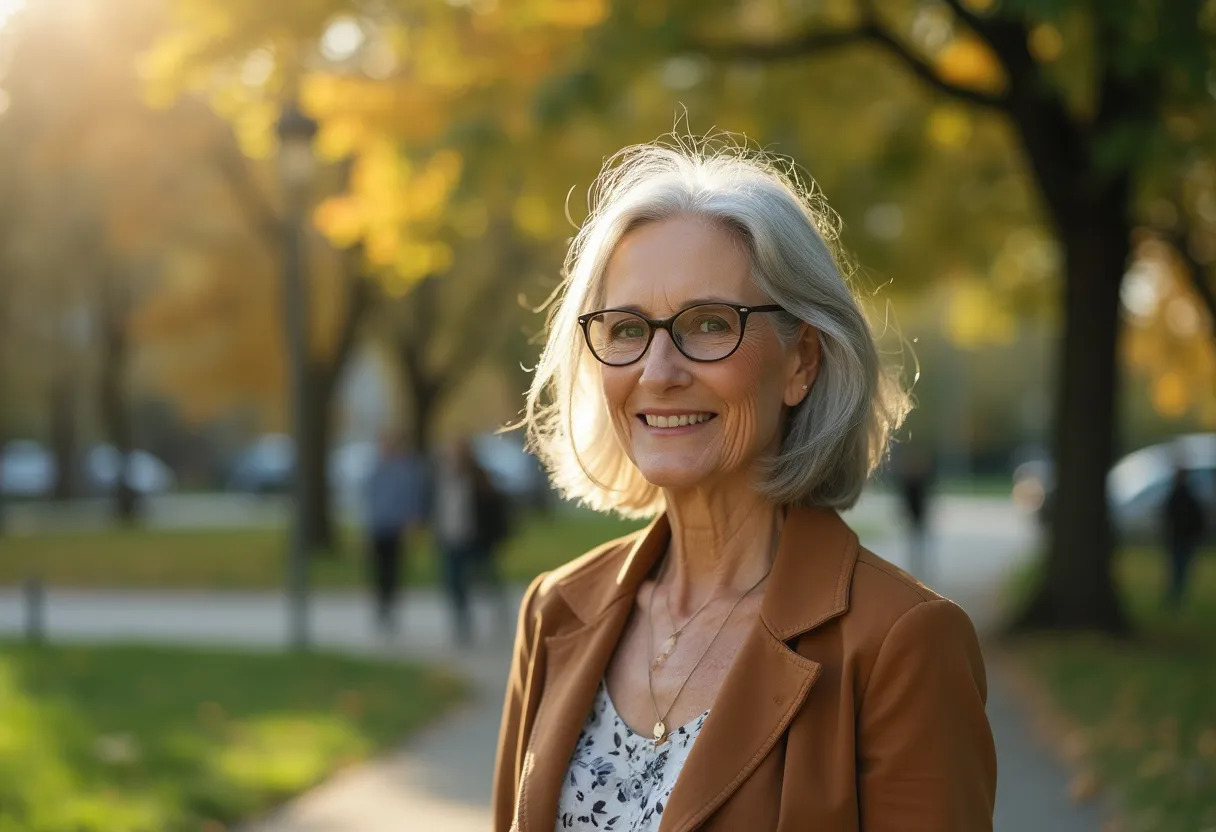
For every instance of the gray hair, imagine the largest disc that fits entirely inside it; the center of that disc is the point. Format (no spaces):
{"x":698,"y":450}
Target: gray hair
{"x":838,"y":434}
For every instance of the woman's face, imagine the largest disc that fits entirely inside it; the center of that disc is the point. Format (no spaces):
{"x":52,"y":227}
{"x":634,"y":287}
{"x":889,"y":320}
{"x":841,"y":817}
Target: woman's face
{"x":658,"y":270}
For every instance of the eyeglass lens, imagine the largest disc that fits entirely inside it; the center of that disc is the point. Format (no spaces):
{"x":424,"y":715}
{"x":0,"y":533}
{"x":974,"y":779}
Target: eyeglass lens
{"x":703,"y":333}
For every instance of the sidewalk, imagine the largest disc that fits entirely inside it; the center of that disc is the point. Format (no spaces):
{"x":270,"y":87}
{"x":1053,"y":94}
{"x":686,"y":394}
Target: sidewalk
{"x":441,"y":778}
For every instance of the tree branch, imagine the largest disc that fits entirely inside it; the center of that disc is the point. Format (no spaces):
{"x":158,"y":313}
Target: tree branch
{"x":870,"y":30}
{"x":258,"y":211}
{"x":478,"y":316}
{"x":1007,"y":38}
{"x":360,"y":295}
{"x":922,"y":69}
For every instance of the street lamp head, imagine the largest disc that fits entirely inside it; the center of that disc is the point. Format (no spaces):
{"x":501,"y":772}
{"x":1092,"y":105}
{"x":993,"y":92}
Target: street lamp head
{"x":296,"y":132}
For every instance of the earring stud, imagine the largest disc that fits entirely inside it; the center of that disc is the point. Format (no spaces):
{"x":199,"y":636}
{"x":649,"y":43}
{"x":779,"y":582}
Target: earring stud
{"x":806,"y":387}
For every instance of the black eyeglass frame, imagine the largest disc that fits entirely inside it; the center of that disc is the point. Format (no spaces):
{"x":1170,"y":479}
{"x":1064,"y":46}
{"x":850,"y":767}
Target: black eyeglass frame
{"x":584,"y":321}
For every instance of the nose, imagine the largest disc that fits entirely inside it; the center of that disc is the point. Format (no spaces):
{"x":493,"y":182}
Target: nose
{"x":663,"y":366}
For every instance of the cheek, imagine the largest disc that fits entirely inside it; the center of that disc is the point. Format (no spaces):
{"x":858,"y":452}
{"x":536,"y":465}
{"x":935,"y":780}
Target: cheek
{"x":617,"y":384}
{"x":754,"y":394}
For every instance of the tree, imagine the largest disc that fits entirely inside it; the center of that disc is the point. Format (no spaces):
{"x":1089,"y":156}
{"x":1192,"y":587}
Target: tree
{"x":325,"y":362}
{"x":395,"y":112}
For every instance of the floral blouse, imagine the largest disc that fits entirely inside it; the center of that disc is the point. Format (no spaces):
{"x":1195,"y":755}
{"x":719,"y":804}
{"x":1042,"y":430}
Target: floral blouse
{"x":618,"y":780}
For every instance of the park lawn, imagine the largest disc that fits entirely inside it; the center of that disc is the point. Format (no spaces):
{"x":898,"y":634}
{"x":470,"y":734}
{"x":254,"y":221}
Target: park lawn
{"x":1145,"y":708}
{"x":138,"y":739}
{"x":254,"y":558}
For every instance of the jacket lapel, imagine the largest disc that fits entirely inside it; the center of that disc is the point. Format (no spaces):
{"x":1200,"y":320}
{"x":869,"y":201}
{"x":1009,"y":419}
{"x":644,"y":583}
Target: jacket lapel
{"x":768,"y":682}
{"x":602,"y":596}
{"x":765,"y":688}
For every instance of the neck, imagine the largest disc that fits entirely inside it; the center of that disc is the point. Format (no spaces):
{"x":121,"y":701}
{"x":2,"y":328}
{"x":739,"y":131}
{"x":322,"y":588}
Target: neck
{"x":721,"y":545}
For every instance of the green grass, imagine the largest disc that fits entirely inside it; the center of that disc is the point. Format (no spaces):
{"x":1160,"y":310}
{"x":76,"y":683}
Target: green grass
{"x":254,"y":559}
{"x":134,"y":739}
{"x":1146,"y":709}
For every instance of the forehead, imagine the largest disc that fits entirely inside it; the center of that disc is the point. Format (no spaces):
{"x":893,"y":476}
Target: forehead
{"x":661,"y":267}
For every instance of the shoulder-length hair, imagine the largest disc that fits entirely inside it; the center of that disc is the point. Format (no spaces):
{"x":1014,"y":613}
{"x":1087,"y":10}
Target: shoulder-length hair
{"x":832,"y":440}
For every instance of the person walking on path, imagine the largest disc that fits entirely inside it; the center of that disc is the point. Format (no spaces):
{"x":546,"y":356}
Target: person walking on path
{"x":1183,"y":522}
{"x":396,"y":504}
{"x":471,"y":521}
{"x":915,"y":475}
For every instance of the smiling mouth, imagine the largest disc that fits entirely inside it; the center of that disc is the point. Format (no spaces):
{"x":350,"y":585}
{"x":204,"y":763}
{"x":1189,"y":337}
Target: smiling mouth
{"x":676,"y":421}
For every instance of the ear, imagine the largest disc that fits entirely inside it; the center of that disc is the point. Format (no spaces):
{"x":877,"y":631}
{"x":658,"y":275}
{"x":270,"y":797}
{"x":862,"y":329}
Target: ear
{"x":805,"y":367}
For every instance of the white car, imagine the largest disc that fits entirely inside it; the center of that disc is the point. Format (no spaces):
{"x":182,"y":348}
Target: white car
{"x":27,"y":469}
{"x":1136,"y":486}
{"x":265,"y":466}
{"x":146,"y":474}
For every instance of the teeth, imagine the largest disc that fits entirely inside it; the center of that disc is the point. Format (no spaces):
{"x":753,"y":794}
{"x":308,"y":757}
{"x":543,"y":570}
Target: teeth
{"x":677,"y":421}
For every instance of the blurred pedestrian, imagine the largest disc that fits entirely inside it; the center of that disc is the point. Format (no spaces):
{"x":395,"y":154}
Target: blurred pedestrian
{"x":396,"y":505}
{"x":471,"y":520}
{"x":1183,"y":521}
{"x":915,"y":475}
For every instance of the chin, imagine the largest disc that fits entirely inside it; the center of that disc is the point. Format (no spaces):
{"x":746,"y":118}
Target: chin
{"x":673,"y":474}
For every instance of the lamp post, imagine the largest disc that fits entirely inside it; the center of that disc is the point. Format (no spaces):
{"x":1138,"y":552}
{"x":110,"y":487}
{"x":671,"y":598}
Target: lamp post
{"x":296,"y":166}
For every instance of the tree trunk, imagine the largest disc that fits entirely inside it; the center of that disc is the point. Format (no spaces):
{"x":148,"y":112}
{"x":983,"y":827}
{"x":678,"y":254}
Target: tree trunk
{"x":63,"y":435}
{"x":115,"y":412}
{"x":2,"y":497}
{"x":1077,"y":591}
{"x":424,"y":402}
{"x":324,"y":376}
{"x":316,"y":432}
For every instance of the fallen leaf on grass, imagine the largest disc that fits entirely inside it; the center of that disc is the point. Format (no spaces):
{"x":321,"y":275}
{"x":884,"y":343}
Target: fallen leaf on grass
{"x":1084,"y":786}
{"x":350,"y":703}
{"x":1075,"y":745}
{"x":1207,"y":742}
{"x":1156,"y":764}
{"x":116,"y":749}
{"x":212,"y":714}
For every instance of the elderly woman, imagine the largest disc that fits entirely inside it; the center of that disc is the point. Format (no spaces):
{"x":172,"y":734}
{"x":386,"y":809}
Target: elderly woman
{"x":741,"y":663}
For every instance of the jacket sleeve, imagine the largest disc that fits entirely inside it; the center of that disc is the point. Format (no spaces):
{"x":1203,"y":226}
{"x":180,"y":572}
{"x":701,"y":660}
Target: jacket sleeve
{"x":926,"y":755}
{"x":509,"y":757}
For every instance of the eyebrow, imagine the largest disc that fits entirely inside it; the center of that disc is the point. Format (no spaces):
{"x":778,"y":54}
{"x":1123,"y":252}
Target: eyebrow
{"x":633,"y":307}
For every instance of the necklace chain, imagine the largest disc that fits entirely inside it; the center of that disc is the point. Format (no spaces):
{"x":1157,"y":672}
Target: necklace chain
{"x":669,"y":644}
{"x":660,"y":726}
{"x":667,"y":605}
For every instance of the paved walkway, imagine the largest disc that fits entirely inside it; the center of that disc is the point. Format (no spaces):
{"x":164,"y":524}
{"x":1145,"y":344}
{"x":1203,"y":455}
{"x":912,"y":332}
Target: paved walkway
{"x":441,"y":778}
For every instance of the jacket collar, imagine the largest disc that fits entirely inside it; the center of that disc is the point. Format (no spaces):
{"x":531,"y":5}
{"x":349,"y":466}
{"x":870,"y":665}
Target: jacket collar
{"x":809,"y":585}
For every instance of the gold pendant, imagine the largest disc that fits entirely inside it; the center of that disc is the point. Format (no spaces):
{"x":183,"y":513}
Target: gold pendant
{"x":660,"y":732}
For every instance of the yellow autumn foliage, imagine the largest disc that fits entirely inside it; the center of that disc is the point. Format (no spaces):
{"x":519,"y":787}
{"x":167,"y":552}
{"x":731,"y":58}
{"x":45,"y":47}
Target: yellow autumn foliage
{"x":967,"y":61}
{"x":975,"y":317}
{"x":1168,"y":342}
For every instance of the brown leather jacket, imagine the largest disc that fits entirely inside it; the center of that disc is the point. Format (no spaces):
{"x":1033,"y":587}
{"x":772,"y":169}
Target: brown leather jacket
{"x":856,"y":704}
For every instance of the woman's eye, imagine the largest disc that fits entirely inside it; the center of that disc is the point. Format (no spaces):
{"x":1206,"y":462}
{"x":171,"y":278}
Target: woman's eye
{"x":708,"y":325}
{"x":629,"y":329}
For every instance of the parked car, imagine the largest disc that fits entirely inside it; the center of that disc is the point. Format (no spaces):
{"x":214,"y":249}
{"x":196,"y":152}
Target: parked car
{"x":1136,"y":486}
{"x":146,"y":474}
{"x":351,"y":463}
{"x":27,"y":469}
{"x":264,"y":467}
{"x":267,"y":465}
{"x":513,"y":470}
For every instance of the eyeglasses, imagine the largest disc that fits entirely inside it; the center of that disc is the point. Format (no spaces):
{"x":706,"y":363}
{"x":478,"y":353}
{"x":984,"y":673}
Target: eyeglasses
{"x":704,"y":332}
